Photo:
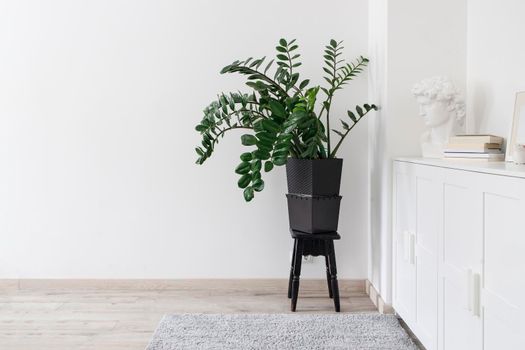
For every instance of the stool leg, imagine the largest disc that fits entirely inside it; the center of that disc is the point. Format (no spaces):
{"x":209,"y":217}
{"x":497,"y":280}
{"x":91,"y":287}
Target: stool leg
{"x":333,"y":276}
{"x":298,"y":256}
{"x":291,"y":269}
{"x":328,"y":279}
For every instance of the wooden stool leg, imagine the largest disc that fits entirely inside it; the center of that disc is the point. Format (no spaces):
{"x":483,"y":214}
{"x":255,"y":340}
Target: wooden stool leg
{"x":328,"y":279}
{"x":298,"y":256}
{"x":291,"y":269}
{"x":333,"y":276}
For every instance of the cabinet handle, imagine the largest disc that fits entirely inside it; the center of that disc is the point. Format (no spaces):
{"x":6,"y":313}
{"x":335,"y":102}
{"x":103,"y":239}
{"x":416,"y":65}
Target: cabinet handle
{"x":476,"y":295}
{"x":469,"y":290}
{"x":412,"y":249}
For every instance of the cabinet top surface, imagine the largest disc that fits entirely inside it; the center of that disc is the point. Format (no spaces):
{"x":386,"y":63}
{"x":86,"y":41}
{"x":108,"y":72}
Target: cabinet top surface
{"x":475,"y":165}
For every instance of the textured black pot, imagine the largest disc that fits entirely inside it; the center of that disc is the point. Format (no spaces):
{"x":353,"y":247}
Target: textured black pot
{"x":316,"y":177}
{"x":313,"y":214}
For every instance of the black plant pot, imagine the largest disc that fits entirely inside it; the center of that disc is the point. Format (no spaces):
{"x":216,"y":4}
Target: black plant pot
{"x":313,"y":198}
{"x":316,"y":177}
{"x":313,"y":214}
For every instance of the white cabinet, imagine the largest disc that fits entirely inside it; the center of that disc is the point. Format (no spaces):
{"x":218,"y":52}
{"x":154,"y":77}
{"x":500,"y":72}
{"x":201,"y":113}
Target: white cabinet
{"x":459,"y":253}
{"x":404,"y":288}
{"x":429,"y":204}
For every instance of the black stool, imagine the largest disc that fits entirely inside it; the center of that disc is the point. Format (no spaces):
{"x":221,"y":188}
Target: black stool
{"x":314,"y":244}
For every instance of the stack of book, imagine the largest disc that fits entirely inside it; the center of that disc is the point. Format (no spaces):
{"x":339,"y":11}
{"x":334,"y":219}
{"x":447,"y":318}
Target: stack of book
{"x":486,"y":147}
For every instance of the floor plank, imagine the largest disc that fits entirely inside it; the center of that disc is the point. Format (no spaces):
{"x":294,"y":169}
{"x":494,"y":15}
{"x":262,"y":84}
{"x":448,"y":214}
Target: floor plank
{"x":108,"y":316}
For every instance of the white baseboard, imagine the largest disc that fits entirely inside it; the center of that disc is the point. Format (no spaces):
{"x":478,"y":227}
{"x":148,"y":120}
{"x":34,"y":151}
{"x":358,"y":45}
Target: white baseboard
{"x":376,"y":298}
{"x":346,"y":287}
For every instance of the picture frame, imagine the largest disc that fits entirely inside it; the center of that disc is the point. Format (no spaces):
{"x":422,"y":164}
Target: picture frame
{"x":517,"y":131}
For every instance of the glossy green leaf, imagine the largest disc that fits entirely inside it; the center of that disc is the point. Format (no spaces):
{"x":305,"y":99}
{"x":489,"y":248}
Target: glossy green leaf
{"x":270,"y":125}
{"x":248,"y":194}
{"x":246,"y":157}
{"x":268,"y":166}
{"x":266,"y":138}
{"x":257,"y":165}
{"x":243,"y":168}
{"x":258,"y":185}
{"x":248,"y":140}
{"x":260,"y":154}
{"x":277,"y":108}
{"x":279,"y":161}
{"x":244,"y":181}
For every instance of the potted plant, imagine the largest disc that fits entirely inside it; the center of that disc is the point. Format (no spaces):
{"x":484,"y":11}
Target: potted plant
{"x":288,"y":126}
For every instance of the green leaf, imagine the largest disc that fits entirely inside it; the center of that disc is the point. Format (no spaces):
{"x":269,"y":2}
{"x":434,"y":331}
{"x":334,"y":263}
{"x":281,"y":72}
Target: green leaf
{"x":248,"y":194}
{"x":277,"y":108}
{"x":352,"y":116}
{"x":260,"y":62}
{"x":333,"y":43}
{"x":260,"y":154}
{"x":243,"y":168}
{"x":359,"y":110}
{"x":304,"y":83}
{"x":246,"y":157}
{"x":244,"y":181}
{"x":282,"y":153}
{"x":270,"y":126}
{"x":279,"y":161}
{"x":281,"y":49}
{"x":248,"y":140}
{"x":282,"y":57}
{"x":268,"y":66}
{"x":283,"y":42}
{"x":268,"y":166}
{"x":338,"y":133}
{"x":256,"y":166}
{"x":266,"y":138}
{"x":345,"y":125}
{"x":201,"y":128}
{"x":258,"y":185}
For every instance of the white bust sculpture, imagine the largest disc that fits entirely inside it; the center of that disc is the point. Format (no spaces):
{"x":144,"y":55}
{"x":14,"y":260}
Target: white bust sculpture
{"x":443,"y":112}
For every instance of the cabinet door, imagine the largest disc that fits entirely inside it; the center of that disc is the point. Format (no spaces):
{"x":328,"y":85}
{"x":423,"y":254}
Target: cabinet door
{"x":404,"y":282}
{"x":429,"y":204}
{"x":460,"y":322}
{"x":504,"y":264}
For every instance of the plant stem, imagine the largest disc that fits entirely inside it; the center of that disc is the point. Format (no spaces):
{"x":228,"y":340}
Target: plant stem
{"x":332,"y":155}
{"x":328,"y":126}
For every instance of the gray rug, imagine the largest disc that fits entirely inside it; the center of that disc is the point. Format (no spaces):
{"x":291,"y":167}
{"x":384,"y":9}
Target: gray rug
{"x":280,"y":331}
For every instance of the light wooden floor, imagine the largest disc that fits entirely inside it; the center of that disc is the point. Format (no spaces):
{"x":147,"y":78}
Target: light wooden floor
{"x":110,"y":315}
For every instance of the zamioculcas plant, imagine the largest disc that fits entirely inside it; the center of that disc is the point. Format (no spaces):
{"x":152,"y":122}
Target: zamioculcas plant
{"x":281,"y":112}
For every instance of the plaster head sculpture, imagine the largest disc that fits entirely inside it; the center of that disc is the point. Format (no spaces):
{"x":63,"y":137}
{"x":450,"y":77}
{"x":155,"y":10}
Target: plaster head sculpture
{"x":443,"y":112}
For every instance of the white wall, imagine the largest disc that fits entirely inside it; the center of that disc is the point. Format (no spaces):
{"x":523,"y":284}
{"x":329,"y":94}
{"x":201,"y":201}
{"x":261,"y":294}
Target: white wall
{"x":413,"y":40}
{"x":496,"y":68}
{"x":98,"y":100}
